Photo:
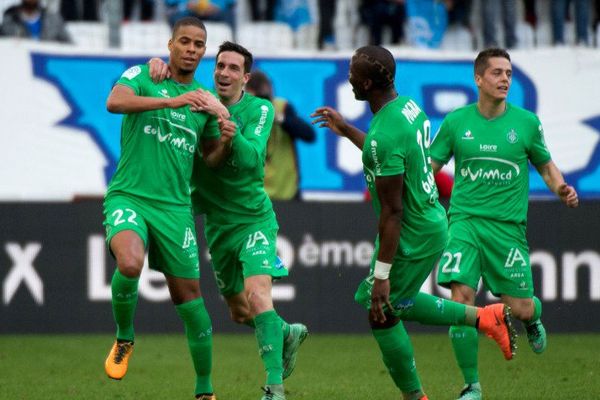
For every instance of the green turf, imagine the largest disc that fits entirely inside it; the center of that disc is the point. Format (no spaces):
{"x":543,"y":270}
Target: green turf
{"x":336,"y":367}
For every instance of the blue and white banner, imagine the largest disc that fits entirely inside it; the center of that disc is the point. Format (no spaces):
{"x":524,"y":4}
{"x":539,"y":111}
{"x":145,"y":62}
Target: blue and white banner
{"x":58,"y":140}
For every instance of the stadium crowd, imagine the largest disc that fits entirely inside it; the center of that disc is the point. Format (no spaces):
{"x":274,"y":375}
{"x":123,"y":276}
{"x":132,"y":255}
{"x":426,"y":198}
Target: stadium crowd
{"x":337,"y":24}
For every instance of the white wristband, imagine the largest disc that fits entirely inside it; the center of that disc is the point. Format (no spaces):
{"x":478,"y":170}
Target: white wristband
{"x":382,"y":270}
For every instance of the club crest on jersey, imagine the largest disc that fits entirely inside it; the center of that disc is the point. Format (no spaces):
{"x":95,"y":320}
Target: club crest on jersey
{"x":468,"y":135}
{"x":512,"y":136}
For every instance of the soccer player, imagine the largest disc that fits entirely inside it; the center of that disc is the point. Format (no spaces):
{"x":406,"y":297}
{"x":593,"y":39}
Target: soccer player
{"x":148,"y":204}
{"x":412,"y":224}
{"x":240,"y":224}
{"x":492,"y":142}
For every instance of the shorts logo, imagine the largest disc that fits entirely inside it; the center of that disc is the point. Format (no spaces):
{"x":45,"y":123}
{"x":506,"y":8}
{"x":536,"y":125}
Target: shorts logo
{"x":523,"y":285}
{"x":188,"y":238}
{"x":255,"y":237}
{"x":515,"y":256}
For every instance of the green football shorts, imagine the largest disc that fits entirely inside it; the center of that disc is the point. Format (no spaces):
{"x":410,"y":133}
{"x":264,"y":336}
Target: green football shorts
{"x":168,"y":234}
{"x":241,"y":250}
{"x":406,"y":278}
{"x":493,"y":250}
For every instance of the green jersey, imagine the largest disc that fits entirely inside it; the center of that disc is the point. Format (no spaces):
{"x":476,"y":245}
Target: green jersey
{"x":491,"y":161}
{"x":398,"y":143}
{"x":158,"y":146}
{"x":234,"y":193}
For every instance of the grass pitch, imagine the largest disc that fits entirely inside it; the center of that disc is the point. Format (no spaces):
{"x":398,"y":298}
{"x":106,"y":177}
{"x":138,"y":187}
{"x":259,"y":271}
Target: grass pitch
{"x":332,"y":367}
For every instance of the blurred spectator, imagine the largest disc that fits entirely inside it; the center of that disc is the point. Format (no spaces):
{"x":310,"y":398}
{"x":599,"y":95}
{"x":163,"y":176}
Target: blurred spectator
{"x":326,"y":32}
{"x":262,"y":10}
{"x":490,"y":9}
{"x":30,"y":20}
{"x":459,"y":12}
{"x":281,"y":168}
{"x":377,"y":14}
{"x":80,"y":10}
{"x":596,"y":17}
{"x":146,"y":9}
{"x":560,"y":11}
{"x":294,"y":13}
{"x":427,"y":22}
{"x":530,"y":13}
{"x":206,"y":10}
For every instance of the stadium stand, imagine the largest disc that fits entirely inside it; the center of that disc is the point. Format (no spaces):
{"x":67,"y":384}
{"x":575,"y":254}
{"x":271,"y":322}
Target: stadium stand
{"x":4,"y":4}
{"x":88,"y":35}
{"x":218,"y":32}
{"x":306,"y":37}
{"x":457,"y":38}
{"x":145,"y":36}
{"x":349,"y":33}
{"x":266,"y":36}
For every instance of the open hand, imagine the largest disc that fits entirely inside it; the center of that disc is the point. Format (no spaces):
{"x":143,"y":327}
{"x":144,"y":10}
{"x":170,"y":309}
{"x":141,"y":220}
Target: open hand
{"x":380,"y":297}
{"x":159,"y":70}
{"x":210,"y":104}
{"x":327,"y":117}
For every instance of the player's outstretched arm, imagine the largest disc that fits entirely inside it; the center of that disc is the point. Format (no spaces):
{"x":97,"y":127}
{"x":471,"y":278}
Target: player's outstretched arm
{"x":556,"y":183}
{"x":327,"y":117}
{"x":123,"y":100}
{"x":389,"y":192}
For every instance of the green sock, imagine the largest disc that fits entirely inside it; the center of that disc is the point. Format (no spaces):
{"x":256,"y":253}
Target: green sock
{"x":124,"y":300}
{"x":198,"y":329}
{"x":285,"y":328}
{"x":465,"y":342}
{"x":397,"y":352}
{"x":270,"y":345}
{"x":432,"y":310}
{"x":537,"y":310}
